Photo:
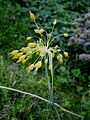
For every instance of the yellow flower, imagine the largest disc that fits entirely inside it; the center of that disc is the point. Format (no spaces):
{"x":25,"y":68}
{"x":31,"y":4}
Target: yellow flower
{"x":26,"y":49}
{"x":56,"y":46}
{"x":50,"y":67}
{"x":23,"y":61}
{"x":39,"y":31}
{"x":59,"y":56}
{"x":15,"y":56}
{"x":55,"y":21}
{"x":22,"y":58}
{"x":66,"y":54}
{"x":66,"y":35}
{"x":42,"y":51}
{"x":60,"y":60}
{"x":28,"y":38}
{"x":20,"y":54}
{"x":38,"y":64}
{"x":14,"y":52}
{"x":22,"y":49}
{"x":46,"y":61}
{"x":31,"y":67}
{"x":32,"y":45}
{"x":29,"y":53}
{"x":32,"y":16}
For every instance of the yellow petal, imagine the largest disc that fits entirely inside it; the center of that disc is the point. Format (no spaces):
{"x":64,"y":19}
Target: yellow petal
{"x":66,"y":54}
{"x":66,"y":35}
{"x":32,"y":16}
{"x":31,"y":67}
{"x":46,"y":61}
{"x":38,"y":64}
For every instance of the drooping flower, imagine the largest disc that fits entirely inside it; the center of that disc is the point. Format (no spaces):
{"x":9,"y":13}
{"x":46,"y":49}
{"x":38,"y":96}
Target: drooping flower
{"x":66,"y":54}
{"x":39,"y":31}
{"x":28,"y":38}
{"x":55,"y":21}
{"x":32,"y":16}
{"x":30,"y":68}
{"x":66,"y":35}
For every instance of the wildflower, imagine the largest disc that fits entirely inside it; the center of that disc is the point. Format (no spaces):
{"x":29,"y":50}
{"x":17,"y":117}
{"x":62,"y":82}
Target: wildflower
{"x":20,"y":54}
{"x":32,"y":45}
{"x":55,"y":21}
{"x":50,"y":67}
{"x":14,"y":52}
{"x":80,"y":41}
{"x":82,"y":36}
{"x":15,"y":56}
{"x":66,"y":54}
{"x":22,"y":49}
{"x":66,"y":35}
{"x":26,"y":49}
{"x":31,"y":67}
{"x":39,"y":31}
{"x":22,"y":58}
{"x":42,"y":51}
{"x":59,"y":56}
{"x":56,"y":46}
{"x":28,"y":38}
{"x":87,"y":44}
{"x":32,"y":16}
{"x":23,"y":61}
{"x":72,"y":38}
{"x":46,"y":61}
{"x":84,"y":57}
{"x":60,"y":60}
{"x":38,"y":64}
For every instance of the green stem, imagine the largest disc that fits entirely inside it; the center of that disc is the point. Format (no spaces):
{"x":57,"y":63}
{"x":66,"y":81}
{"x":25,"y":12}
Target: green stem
{"x":41,"y":98}
{"x":54,"y":39}
{"x":36,"y":25}
{"x":49,"y":85}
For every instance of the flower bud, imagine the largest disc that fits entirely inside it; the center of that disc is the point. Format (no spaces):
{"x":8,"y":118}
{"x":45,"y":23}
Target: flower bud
{"x":14,"y":52}
{"x":32,"y":16}
{"x":46,"y":61}
{"x":39,"y":31}
{"x":66,"y":35}
{"x":55,"y":21}
{"x":22,"y":58}
{"x":28,"y":38}
{"x":32,"y":45}
{"x":31,"y":67}
{"x":38,"y":64}
{"x":66,"y":54}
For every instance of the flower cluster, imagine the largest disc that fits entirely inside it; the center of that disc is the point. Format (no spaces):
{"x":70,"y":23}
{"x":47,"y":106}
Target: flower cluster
{"x":81,"y":31}
{"x":40,"y":49}
{"x":84,"y":57}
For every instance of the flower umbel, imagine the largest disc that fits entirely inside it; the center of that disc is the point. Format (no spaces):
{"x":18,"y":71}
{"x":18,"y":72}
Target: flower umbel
{"x":40,"y":48}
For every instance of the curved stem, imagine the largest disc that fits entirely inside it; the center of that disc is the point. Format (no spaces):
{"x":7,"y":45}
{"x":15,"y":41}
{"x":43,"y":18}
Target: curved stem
{"x":54,"y":39}
{"x":41,"y":98}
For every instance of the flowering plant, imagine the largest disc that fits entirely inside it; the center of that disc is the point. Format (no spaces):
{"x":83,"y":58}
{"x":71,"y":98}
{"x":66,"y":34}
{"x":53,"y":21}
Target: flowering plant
{"x":41,"y":50}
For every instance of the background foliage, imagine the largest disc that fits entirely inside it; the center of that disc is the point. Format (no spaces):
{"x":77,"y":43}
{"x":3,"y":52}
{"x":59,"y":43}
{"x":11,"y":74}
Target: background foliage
{"x":72,"y":80}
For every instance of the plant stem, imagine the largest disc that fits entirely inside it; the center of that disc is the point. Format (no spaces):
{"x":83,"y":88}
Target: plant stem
{"x":41,"y":98}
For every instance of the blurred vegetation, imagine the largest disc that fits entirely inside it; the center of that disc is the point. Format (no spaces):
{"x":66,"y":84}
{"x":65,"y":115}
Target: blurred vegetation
{"x":72,"y":80}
